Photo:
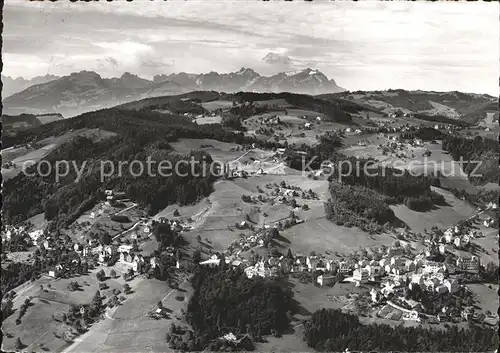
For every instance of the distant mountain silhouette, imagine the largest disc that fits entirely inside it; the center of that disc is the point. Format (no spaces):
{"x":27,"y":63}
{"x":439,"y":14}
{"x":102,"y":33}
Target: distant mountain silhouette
{"x":86,"y":90}
{"x":14,"y":85}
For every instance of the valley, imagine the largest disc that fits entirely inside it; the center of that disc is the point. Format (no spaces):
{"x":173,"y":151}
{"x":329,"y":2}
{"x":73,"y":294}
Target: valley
{"x":141,"y":246}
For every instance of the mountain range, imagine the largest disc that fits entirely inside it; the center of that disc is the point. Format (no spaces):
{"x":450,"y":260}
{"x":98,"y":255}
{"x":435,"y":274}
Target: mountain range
{"x":86,"y":90}
{"x":14,"y":85}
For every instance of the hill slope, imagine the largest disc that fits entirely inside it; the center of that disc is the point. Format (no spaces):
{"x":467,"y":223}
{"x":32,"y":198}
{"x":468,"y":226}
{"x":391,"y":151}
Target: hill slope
{"x":87,"y":91}
{"x":467,"y":107}
{"x":14,"y":85}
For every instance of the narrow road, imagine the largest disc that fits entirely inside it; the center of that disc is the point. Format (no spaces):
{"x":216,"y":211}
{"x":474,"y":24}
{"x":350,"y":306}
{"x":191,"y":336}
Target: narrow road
{"x":126,"y":209}
{"x":126,"y":231}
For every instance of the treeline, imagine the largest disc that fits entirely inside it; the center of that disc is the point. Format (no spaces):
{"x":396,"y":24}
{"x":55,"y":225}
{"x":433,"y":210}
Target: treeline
{"x":225,"y":300}
{"x":178,"y":106}
{"x":400,"y":186}
{"x":333,"y":111}
{"x":16,"y":273}
{"x":424,"y":133}
{"x":325,"y":151}
{"x":441,"y":119}
{"x":358,"y":206}
{"x":332,"y":330}
{"x":479,"y":152}
{"x":141,"y":127}
{"x":248,"y":110}
{"x":481,"y":197}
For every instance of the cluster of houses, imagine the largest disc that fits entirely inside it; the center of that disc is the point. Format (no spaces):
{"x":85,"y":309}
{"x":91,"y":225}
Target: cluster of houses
{"x":455,"y":236}
{"x":448,"y":127}
{"x":129,"y":258}
{"x":396,"y":272}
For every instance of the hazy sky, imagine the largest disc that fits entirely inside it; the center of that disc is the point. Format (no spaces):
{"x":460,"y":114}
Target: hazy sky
{"x":365,"y":45}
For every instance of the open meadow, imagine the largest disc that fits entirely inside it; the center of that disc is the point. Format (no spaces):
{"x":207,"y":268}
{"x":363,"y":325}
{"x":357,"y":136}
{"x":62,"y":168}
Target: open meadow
{"x":442,"y":216}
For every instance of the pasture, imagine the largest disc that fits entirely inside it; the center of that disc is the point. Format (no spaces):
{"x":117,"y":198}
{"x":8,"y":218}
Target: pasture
{"x":37,"y":328}
{"x":441,"y":216}
{"x":485,"y":297}
{"x":48,"y":118}
{"x":209,"y":120}
{"x":218,"y":104}
{"x":129,"y":329}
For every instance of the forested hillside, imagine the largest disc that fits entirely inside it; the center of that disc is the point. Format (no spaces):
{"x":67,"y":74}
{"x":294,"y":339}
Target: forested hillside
{"x":398,"y":185}
{"x":358,"y":206}
{"x":225,"y":300}
{"x":141,"y":134}
{"x":482,"y":153}
{"x":332,"y":330}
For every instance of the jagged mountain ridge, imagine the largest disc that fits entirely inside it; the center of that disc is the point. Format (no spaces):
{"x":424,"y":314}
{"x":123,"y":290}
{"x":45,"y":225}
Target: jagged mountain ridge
{"x":86,"y":90}
{"x":306,"y":81}
{"x":12,"y":85}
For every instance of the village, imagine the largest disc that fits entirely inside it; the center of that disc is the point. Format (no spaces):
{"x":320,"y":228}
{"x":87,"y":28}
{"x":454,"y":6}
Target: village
{"x":402,"y":284}
{"x":393,"y":274}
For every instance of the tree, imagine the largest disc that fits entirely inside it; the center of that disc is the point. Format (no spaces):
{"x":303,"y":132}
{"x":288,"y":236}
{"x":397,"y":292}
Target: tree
{"x":159,"y":304}
{"x":126,"y":288}
{"x":176,"y":213}
{"x":96,"y":305}
{"x":19,"y":345}
{"x":222,"y":263}
{"x":101,"y":276}
{"x":112,"y":273}
{"x":105,"y":238}
{"x":197,"y":257}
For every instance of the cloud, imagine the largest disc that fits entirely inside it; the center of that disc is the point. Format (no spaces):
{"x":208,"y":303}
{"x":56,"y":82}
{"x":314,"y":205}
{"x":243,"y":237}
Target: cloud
{"x":361,"y":45}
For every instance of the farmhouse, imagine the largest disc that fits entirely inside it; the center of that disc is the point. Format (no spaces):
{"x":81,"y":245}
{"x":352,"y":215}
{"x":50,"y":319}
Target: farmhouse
{"x":325,"y":280}
{"x":361,"y":275}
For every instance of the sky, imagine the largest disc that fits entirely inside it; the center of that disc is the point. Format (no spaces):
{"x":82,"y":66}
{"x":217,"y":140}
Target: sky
{"x":363,"y":45}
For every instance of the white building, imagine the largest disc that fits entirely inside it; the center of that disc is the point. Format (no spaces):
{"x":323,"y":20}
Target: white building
{"x":411,"y":315}
{"x":325,"y":280}
{"x":212,"y":262}
{"x":441,"y":289}
{"x":360,"y":275}
{"x":259,"y":269}
{"x":448,"y":235}
{"x":124,"y":248}
{"x":452,"y":285}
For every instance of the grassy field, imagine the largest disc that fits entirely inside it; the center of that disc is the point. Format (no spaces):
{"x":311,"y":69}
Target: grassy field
{"x":488,"y":245}
{"x":37,"y":326}
{"x":209,"y":120}
{"x":441,"y":216}
{"x":485,"y":297}
{"x":220,"y":151}
{"x":129,"y":329}
{"x":214,"y":105}
{"x":102,"y":223}
{"x":45,"y":119}
{"x":291,"y":123}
